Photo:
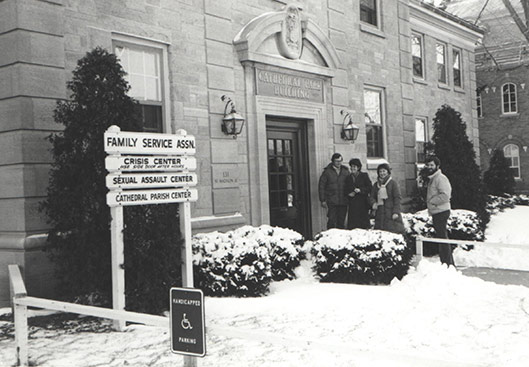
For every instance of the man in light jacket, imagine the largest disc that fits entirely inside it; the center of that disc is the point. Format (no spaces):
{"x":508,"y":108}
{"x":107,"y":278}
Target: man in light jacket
{"x":438,"y":202}
{"x":332,"y":191}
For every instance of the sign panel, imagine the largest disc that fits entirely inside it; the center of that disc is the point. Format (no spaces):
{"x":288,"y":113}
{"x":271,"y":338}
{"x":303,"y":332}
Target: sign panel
{"x":126,"y":142}
{"x":144,"y":197}
{"x":188,"y":329}
{"x":225,"y":176}
{"x":150,"y":180}
{"x":150,"y":163}
{"x":272,"y":83}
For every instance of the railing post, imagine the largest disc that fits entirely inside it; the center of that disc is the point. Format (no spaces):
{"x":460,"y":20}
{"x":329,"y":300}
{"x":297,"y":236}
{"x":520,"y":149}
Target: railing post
{"x":20,"y":314}
{"x":419,"y":248}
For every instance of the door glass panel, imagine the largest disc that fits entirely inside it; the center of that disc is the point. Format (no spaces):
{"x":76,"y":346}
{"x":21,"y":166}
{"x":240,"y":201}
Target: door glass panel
{"x":290,"y":200}
{"x":288,"y":147}
{"x":274,"y":182}
{"x":280,"y":165}
{"x":289,"y":182}
{"x":288,"y":163}
{"x":271,"y":147}
{"x":279,"y":146}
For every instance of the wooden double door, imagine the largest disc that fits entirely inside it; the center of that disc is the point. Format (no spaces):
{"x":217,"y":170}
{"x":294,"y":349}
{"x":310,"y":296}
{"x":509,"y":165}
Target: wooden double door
{"x":288,"y":175}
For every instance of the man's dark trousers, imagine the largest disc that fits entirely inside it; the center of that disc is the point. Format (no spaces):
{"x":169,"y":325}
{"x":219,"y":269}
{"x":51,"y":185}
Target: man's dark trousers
{"x":439,"y":224}
{"x":336,"y":216}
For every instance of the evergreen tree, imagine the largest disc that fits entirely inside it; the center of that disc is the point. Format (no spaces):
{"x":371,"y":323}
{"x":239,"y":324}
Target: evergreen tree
{"x":76,"y":208}
{"x":499,"y":179}
{"x":458,"y":162}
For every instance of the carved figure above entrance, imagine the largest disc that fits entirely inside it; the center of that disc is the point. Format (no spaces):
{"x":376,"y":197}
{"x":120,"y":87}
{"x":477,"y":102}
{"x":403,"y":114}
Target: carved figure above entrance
{"x":290,"y":39}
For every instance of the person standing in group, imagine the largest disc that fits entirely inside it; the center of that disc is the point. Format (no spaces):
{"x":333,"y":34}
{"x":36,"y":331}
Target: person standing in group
{"x":357,"y":189}
{"x":438,"y":196}
{"x":331,"y":191}
{"x":386,"y":197}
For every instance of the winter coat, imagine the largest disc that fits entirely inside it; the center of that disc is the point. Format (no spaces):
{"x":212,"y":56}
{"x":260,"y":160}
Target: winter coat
{"x":438,"y":194}
{"x":384,"y":213}
{"x":358,"y":211}
{"x":331,"y":185}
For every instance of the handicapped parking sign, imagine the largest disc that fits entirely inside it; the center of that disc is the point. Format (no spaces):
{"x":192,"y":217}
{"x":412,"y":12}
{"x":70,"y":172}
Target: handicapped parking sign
{"x":187,"y":322}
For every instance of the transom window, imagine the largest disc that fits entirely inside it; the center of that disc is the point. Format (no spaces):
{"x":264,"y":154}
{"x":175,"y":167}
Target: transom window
{"x":143,"y":68}
{"x":368,"y":12}
{"x":440,"y":50}
{"x":456,"y":67}
{"x":374,"y":120}
{"x":417,"y":55}
{"x":512,"y":153}
{"x":421,"y":137}
{"x":509,"y":103}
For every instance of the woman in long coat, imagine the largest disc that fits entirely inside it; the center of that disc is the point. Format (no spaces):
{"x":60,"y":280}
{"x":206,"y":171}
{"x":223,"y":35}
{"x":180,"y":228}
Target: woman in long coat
{"x":357,"y":189}
{"x":386,"y":199}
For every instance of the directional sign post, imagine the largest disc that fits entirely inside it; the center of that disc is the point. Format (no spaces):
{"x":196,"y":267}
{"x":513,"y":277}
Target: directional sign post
{"x":147,"y":168}
{"x":188,"y":335}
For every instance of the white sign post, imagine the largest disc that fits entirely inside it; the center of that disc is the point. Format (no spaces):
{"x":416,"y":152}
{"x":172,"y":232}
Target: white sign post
{"x":170,"y":156}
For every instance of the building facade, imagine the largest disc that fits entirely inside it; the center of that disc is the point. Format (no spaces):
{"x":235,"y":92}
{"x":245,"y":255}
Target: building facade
{"x":296,"y":72}
{"x":502,"y":77}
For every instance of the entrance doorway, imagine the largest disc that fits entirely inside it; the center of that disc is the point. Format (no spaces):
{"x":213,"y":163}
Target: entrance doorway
{"x":288,"y":175}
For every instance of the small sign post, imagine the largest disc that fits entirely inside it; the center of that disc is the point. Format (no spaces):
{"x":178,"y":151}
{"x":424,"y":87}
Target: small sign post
{"x":187,"y":322}
{"x":147,"y":168}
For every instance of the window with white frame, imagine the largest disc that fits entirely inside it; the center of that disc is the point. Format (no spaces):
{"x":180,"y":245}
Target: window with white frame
{"x":512,"y":153}
{"x":456,"y":68}
{"x":374,"y":120}
{"x":509,"y":103}
{"x":417,"y":55}
{"x":440,"y":52}
{"x":479,"y":104}
{"x":421,"y":137}
{"x":369,"y":12}
{"x":143,"y":66}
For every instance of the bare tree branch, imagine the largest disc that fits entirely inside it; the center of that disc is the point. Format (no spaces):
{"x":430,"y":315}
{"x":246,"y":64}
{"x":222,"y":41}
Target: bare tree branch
{"x":521,"y":24}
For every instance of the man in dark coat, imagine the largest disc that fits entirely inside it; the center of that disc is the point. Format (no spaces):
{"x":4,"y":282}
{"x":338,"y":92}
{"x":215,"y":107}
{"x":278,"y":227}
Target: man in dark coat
{"x":331,"y":192}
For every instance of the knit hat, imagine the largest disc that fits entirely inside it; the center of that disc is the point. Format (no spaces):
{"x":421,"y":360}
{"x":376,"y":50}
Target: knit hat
{"x":356,"y":162}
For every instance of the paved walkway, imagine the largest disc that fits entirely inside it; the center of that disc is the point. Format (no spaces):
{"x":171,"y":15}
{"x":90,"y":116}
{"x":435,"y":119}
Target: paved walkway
{"x":499,"y":276}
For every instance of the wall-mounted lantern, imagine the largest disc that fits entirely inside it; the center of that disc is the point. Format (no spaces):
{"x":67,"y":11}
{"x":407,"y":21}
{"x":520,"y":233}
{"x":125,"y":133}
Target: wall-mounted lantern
{"x":232,"y":122}
{"x":349,"y":130}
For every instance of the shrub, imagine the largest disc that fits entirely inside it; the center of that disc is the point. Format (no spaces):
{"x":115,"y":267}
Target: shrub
{"x":360,"y":256}
{"x":497,"y":204}
{"x":243,"y":262}
{"x":76,"y":208}
{"x":462,"y":225}
{"x":498,"y":179}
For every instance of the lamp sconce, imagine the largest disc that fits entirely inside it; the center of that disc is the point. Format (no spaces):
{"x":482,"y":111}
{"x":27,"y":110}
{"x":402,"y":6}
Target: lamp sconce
{"x":349,"y":130}
{"x":232,"y":122}
{"x":525,"y":148}
{"x":489,"y":150}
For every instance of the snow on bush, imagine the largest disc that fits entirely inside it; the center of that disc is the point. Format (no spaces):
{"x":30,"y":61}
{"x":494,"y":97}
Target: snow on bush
{"x":244,"y":261}
{"x":360,"y":256}
{"x":497,"y":204}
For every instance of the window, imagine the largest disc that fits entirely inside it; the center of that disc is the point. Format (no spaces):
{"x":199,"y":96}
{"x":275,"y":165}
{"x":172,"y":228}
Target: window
{"x":479,"y":105}
{"x":512,"y":153}
{"x":374,"y":120}
{"x":509,"y":98}
{"x":143,"y":67}
{"x":421,"y":137}
{"x":456,"y":69}
{"x":440,"y":50}
{"x":416,"y":54}
{"x":368,"y":12}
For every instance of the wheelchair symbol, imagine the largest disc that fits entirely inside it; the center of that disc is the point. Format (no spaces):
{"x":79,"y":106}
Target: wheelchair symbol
{"x":185,"y":323}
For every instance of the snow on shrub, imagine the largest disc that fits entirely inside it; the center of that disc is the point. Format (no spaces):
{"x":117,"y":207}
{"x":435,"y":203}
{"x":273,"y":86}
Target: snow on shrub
{"x":360,"y":256}
{"x":244,"y":261}
{"x":497,"y":204}
{"x":462,"y":225}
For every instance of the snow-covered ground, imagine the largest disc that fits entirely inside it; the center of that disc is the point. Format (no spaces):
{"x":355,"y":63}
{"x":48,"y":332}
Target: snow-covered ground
{"x":508,"y":227}
{"x":435,"y":316}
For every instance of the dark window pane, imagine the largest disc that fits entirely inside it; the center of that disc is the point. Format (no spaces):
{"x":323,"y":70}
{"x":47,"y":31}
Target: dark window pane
{"x":288,"y":147}
{"x":457,"y":78}
{"x":152,"y":118}
{"x":368,"y":11}
{"x":417,"y":67}
{"x":374,"y":141}
{"x":274,"y":182}
{"x":441,"y":73}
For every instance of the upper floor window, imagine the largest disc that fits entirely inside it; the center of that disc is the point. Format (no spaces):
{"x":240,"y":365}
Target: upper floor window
{"x":456,"y":67}
{"x":417,"y":55}
{"x":421,"y":138}
{"x":143,"y":67}
{"x":374,"y":120}
{"x":479,"y":104}
{"x":509,"y":104}
{"x":512,"y":153}
{"x":440,"y":50}
{"x":369,"y":12}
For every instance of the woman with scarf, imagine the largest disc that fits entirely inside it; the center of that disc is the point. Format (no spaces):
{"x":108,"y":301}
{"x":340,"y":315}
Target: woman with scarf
{"x":357,"y":189}
{"x":385,"y":196}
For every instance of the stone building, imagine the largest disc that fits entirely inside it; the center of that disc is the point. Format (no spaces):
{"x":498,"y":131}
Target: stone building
{"x":502,"y":77}
{"x":296,"y":73}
